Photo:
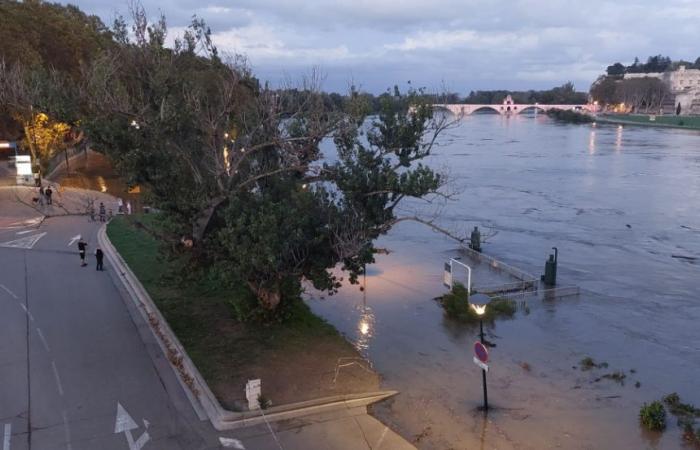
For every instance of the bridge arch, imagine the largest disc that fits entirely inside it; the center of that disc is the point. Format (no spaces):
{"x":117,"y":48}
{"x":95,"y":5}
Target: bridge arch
{"x":486,"y":108}
{"x":535,"y":108}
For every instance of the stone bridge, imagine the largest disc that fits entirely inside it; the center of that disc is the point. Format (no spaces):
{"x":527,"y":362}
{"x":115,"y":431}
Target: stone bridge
{"x":508,"y":107}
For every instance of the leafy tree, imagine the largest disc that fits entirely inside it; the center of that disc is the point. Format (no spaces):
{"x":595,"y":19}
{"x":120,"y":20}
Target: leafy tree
{"x":616,"y":69}
{"x":237,"y":168}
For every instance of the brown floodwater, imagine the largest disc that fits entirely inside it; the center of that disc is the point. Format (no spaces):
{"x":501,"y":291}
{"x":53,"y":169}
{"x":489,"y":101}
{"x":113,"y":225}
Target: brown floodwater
{"x":621,"y":206}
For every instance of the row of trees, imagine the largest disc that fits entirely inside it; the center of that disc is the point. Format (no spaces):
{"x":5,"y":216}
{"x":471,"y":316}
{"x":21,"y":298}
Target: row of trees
{"x":646,"y":94}
{"x":654,"y":64}
{"x":234,"y":166}
{"x":565,"y":94}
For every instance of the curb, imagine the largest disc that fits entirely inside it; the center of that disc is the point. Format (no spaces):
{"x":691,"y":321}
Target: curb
{"x":198,"y":392}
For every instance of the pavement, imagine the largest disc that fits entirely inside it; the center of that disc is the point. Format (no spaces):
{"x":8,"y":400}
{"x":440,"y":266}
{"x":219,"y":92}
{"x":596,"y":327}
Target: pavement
{"x":79,"y":369}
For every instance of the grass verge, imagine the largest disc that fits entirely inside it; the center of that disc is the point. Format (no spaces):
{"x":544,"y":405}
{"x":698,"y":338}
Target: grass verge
{"x":296,"y":360}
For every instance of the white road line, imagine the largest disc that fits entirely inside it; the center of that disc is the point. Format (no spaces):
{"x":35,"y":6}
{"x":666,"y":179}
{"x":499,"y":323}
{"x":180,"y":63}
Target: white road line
{"x":231,"y":443}
{"x":25,"y":231}
{"x":58,"y":379}
{"x":43,"y":339}
{"x":26,"y":311}
{"x":25,"y":242}
{"x":381,"y":438}
{"x":9,"y":292}
{"x":6,"y":437}
{"x":66,"y":428}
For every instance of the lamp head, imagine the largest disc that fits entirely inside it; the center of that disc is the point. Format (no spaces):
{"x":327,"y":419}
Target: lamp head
{"x":478,"y":303}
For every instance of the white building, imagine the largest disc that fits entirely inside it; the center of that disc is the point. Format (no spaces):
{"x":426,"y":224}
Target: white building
{"x":684,"y":85}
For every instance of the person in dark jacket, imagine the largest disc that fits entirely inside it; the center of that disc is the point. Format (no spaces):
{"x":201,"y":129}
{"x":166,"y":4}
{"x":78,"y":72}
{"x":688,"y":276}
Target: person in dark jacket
{"x":82,"y":247}
{"x":49,"y":193}
{"x":99,"y":256}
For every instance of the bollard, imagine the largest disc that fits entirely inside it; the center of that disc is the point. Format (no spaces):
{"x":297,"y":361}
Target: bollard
{"x":550,"y":269}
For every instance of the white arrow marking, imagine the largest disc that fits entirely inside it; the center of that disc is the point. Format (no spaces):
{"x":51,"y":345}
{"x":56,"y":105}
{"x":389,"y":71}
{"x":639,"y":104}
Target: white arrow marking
{"x":124,"y":421}
{"x":125,"y":424}
{"x":26,"y":242}
{"x":231,"y":443}
{"x":73,"y":239}
{"x":146,"y":423}
{"x":6,"y":437}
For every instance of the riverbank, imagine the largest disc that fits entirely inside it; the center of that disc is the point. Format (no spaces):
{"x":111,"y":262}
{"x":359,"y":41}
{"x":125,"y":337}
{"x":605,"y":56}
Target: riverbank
{"x":297,"y":360}
{"x":650,"y":120}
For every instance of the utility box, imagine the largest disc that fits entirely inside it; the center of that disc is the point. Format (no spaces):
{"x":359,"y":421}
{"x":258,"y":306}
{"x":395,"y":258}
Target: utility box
{"x":550,"y":269}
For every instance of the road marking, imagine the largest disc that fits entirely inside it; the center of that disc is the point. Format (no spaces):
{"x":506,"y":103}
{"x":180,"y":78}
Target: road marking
{"x":231,"y":443}
{"x":58,"y":379}
{"x":43,"y":339}
{"x":381,"y":438}
{"x":25,"y":242}
{"x":6,"y":437}
{"x":9,"y":291}
{"x":25,"y":231}
{"x":125,"y":424}
{"x":26,"y":311}
{"x":73,"y":239}
{"x":66,"y":428}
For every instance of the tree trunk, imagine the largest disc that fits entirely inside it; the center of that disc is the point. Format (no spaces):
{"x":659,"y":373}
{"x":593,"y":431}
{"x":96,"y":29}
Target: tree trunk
{"x":200,"y":226}
{"x":269,"y":298}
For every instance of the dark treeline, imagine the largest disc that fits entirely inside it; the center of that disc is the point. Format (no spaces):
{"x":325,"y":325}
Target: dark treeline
{"x":654,"y":64}
{"x":561,"y":95}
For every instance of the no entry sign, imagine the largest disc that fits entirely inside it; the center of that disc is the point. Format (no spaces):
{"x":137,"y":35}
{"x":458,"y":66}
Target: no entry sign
{"x":481,"y":353}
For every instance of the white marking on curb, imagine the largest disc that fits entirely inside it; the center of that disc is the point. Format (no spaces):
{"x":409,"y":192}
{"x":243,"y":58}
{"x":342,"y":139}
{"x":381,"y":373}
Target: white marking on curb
{"x":9,"y":292}
{"x":58,"y":379}
{"x":73,"y":239}
{"x":43,"y":339}
{"x":6,"y":437}
{"x":231,"y":443}
{"x":66,"y":428}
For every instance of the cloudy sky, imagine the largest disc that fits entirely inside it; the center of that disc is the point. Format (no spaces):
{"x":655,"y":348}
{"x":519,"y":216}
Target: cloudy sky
{"x":459,"y":44}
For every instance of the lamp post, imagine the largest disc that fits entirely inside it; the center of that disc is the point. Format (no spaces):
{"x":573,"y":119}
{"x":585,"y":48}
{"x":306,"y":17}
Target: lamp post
{"x":478,"y":303}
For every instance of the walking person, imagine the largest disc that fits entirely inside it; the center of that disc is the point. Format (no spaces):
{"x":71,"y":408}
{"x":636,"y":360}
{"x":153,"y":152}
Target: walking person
{"x":99,"y":256}
{"x":42,"y":195}
{"x":103,"y":212}
{"x":48,"y":193}
{"x":82,"y":248}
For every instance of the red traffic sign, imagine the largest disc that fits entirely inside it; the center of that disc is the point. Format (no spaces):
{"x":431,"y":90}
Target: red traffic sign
{"x":481,"y":353}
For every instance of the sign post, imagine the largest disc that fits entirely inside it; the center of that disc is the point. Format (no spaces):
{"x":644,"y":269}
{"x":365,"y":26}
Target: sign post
{"x":480,"y":359}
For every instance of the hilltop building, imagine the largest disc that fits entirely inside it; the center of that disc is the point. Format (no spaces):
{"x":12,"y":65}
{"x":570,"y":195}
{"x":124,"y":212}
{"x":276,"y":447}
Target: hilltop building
{"x":684,"y":85}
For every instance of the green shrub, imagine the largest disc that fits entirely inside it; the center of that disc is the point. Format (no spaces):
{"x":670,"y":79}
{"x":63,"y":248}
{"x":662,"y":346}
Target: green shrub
{"x":678,"y":408}
{"x":653,"y":416}
{"x":456,"y":305}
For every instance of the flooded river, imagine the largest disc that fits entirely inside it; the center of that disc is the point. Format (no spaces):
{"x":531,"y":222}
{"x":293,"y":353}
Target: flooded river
{"x":621,"y":205}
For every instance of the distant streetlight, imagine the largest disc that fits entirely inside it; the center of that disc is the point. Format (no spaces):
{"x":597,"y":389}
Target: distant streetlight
{"x":478,"y":303}
{"x":135,"y":124}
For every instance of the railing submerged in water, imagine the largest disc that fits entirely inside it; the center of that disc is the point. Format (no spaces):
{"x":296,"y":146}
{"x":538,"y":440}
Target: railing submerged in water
{"x":527,"y":284}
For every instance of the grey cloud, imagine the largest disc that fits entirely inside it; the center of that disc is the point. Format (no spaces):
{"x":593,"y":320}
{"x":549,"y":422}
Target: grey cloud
{"x":467,"y":44}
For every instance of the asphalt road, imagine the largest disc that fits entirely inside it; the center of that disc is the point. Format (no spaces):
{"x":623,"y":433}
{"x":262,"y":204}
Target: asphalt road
{"x":70,"y":352}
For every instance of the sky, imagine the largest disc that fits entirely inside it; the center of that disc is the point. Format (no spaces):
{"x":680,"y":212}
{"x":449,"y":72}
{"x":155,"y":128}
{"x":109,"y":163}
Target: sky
{"x":453,"y":45}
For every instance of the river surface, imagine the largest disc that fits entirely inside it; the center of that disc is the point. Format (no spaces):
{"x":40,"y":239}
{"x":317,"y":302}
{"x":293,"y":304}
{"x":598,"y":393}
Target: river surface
{"x":621,"y":205}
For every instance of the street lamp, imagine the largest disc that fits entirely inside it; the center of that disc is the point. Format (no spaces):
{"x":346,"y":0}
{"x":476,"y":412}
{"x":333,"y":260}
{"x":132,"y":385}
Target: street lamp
{"x":478,"y":303}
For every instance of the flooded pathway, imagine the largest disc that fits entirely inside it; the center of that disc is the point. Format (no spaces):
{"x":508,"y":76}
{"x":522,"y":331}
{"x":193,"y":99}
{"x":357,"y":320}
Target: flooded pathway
{"x":621,"y":204}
